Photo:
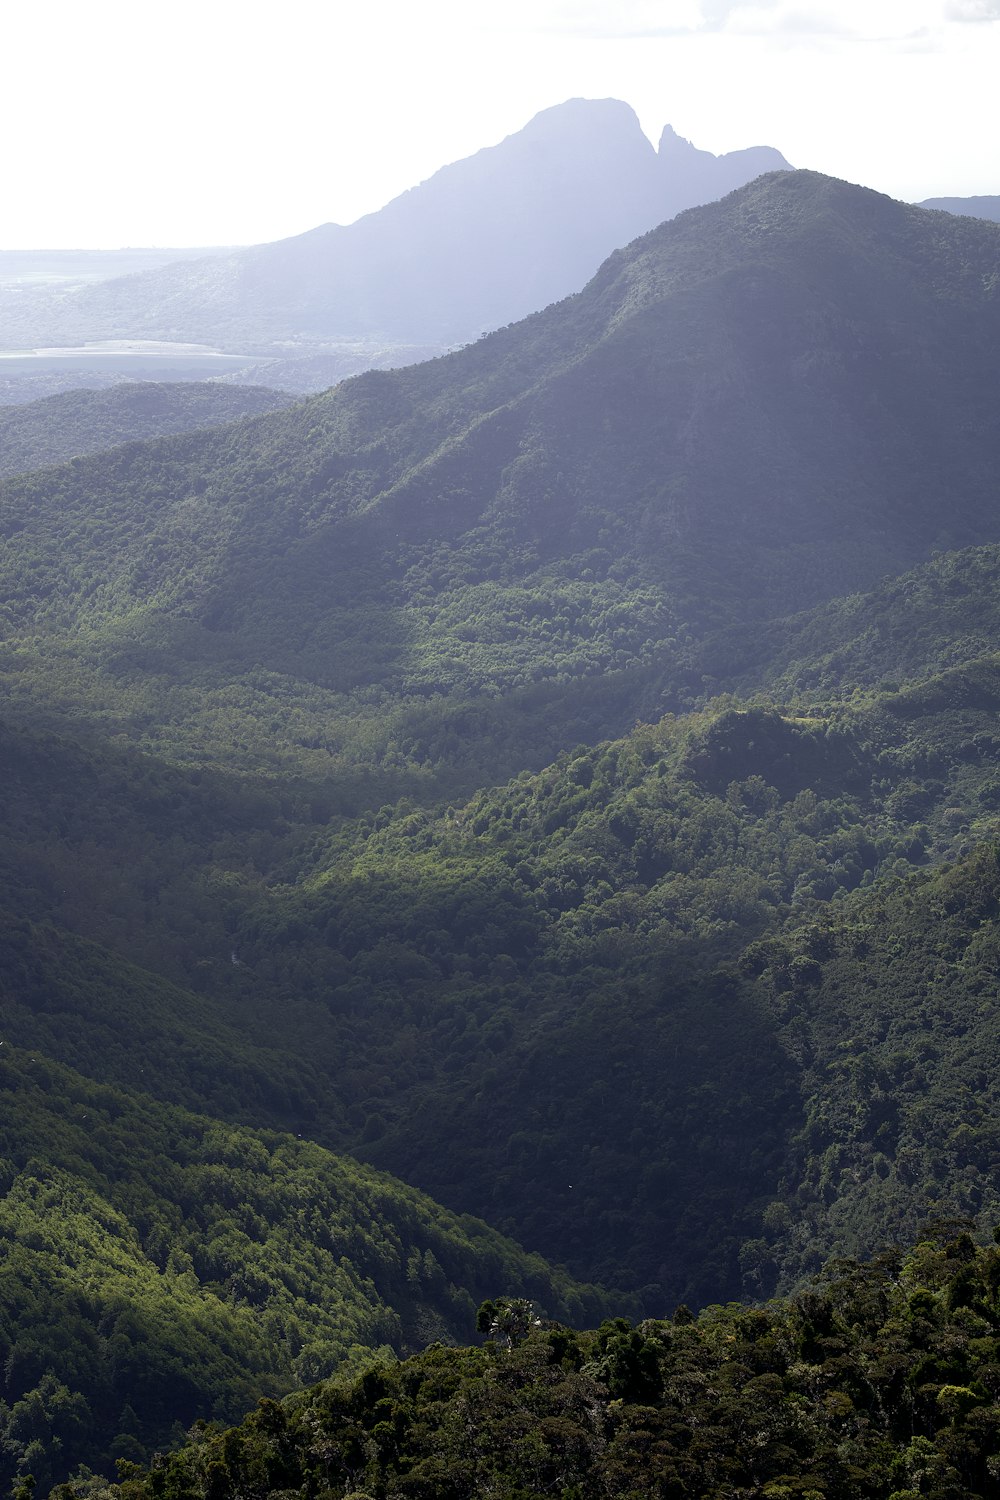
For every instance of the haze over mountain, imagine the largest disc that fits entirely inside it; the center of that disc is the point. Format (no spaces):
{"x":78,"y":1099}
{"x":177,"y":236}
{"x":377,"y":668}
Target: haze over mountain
{"x":65,"y":426}
{"x":484,"y":241}
{"x":982,"y":207}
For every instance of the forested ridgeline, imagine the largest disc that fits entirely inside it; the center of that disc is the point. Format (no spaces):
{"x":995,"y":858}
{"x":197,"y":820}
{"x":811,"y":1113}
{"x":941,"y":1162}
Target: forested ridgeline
{"x":431,"y":578}
{"x":881,"y":1380}
{"x":77,"y":422}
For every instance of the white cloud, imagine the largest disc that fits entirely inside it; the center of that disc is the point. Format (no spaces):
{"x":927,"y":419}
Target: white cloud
{"x":863,"y":20}
{"x":786,"y":20}
{"x":972,"y":10}
{"x":767,"y":18}
{"x":596,"y":19}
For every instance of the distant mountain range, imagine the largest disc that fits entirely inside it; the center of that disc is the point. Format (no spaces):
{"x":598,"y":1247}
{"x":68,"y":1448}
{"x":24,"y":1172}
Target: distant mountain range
{"x":982,"y":207}
{"x":484,"y":241}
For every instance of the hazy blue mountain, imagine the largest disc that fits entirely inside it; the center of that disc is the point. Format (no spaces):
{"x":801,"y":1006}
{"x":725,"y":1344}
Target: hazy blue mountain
{"x":70,"y":267}
{"x":484,"y":241}
{"x":982,"y":207}
{"x":691,"y":177}
{"x":20,"y":390}
{"x":66,"y":426}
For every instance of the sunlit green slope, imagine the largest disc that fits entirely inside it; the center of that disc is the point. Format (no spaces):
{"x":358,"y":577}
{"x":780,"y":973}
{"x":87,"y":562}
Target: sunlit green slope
{"x":159,"y":1266}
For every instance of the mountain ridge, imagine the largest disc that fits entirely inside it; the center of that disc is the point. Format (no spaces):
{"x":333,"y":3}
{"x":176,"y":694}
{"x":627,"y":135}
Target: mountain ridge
{"x":73,"y":423}
{"x":980,"y":206}
{"x":483,"y":241}
{"x":729,"y":422}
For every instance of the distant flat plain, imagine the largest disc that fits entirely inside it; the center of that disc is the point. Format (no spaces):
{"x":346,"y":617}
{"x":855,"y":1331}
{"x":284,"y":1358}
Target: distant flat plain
{"x":142,"y":359}
{"x":132,"y":358}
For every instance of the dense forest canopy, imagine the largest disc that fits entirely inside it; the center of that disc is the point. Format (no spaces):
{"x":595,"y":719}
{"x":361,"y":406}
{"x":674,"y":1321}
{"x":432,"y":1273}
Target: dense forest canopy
{"x":879,"y":1381}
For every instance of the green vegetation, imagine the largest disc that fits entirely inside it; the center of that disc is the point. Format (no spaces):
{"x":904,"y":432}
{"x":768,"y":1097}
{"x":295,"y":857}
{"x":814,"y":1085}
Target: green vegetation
{"x":434,"y":771}
{"x":66,"y":426}
{"x":158,"y":1266}
{"x":881,"y":1381}
{"x":890,"y":1005}
{"x":429,"y":579}
{"x":941,"y":615}
{"x":539,"y":1005}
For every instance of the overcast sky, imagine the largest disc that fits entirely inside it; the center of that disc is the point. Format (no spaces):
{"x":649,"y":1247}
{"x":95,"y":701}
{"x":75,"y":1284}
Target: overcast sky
{"x":235,"y":121}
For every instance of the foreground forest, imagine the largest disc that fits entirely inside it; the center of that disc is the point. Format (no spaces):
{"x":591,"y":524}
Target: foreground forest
{"x":564,"y":776}
{"x":879,"y":1381}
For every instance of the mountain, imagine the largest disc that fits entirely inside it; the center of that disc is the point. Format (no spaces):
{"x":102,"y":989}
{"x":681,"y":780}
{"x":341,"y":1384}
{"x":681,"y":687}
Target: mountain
{"x":326,"y":814}
{"x":983,"y":207}
{"x":70,"y":267}
{"x":691,"y":177}
{"x":472,"y":563}
{"x":440,"y":577}
{"x":525,"y":1003}
{"x":484,"y":241}
{"x":76,"y":422}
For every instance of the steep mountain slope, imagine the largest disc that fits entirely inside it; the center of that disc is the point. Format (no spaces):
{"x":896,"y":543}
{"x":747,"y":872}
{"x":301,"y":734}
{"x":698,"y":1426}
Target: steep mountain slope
{"x":160,"y":1267}
{"x":525,"y":1004}
{"x":890,"y":1001}
{"x":568,"y":1046}
{"x":78,"y":422}
{"x":483,"y":241}
{"x":943,"y":614}
{"x":760,"y":405}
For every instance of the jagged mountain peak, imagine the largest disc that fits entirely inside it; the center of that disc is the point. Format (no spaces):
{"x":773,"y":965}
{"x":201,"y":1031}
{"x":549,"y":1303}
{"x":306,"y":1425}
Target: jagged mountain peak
{"x":688,"y":171}
{"x":482,"y":242}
